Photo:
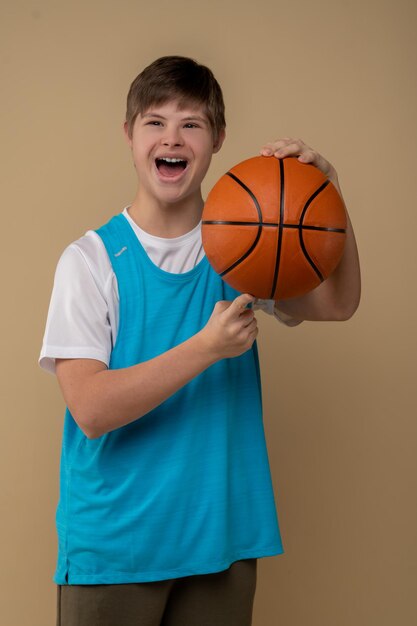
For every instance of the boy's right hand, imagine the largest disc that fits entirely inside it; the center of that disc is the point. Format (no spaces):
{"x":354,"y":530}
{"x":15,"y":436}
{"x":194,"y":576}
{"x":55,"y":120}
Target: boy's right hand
{"x":231,"y":329}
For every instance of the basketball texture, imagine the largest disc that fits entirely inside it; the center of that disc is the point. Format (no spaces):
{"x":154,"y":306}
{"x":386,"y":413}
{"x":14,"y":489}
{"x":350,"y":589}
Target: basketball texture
{"x":274,"y":228}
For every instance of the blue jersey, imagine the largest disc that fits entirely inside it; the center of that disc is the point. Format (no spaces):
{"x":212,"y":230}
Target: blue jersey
{"x":185,"y":489}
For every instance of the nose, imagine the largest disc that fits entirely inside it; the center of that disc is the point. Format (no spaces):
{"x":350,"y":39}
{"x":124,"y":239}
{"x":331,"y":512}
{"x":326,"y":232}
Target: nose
{"x":172,"y":136}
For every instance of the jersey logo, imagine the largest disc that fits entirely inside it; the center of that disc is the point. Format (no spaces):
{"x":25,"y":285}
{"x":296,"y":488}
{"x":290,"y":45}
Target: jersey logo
{"x":121,"y":251}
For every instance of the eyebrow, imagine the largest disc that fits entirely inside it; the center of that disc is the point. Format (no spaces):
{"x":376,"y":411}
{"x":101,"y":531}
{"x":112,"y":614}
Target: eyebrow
{"x":189,"y":118}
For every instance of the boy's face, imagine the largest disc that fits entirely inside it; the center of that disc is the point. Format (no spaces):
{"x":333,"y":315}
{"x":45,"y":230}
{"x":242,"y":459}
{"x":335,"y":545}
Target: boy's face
{"x":172,"y":150}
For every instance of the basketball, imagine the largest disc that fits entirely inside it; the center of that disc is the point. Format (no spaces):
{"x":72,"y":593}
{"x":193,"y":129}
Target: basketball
{"x":274,"y":228}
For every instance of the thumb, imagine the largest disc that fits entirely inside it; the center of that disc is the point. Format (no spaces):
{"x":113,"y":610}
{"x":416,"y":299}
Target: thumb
{"x":239,"y":304}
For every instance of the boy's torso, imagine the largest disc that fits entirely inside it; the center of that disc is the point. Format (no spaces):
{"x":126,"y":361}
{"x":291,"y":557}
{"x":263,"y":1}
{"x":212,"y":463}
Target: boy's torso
{"x":178,"y":491}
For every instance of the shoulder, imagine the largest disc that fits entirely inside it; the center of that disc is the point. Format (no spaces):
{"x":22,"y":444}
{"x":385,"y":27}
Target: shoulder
{"x":86,"y":254}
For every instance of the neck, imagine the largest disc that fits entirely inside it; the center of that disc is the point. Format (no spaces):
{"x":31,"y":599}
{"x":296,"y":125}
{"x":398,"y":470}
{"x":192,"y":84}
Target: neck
{"x":166,"y":219}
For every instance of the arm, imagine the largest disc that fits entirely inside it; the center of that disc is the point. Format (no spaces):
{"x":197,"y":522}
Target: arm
{"x":337,"y":298}
{"x":101,"y":400}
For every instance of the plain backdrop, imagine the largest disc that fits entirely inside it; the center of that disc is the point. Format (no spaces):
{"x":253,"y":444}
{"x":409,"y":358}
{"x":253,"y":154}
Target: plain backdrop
{"x":339,"y":397}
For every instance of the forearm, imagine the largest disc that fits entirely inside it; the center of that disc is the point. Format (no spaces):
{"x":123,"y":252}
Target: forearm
{"x":101,"y":400}
{"x":109,"y":399}
{"x":344,"y":284}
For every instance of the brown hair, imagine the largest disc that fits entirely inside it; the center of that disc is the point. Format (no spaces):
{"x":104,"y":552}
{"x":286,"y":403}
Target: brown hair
{"x":176,"y":77}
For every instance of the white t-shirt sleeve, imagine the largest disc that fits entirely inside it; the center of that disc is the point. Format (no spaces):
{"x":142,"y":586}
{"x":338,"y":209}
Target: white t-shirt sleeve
{"x":78,"y":325}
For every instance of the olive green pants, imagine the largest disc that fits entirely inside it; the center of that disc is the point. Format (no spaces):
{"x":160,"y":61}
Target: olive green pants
{"x":221,"y":599}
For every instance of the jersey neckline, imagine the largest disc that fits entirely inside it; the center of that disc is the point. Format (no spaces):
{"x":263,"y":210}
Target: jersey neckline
{"x":157,"y":270}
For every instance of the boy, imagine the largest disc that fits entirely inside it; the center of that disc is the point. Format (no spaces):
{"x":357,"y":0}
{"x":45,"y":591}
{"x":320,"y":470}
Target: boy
{"x":166,"y":499}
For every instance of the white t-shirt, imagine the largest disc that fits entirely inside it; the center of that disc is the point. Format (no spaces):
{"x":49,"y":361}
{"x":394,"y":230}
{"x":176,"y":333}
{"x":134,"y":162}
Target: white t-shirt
{"x":83,"y":314}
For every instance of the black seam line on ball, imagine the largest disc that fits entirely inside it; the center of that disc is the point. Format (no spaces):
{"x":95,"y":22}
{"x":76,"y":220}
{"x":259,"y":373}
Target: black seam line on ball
{"x":300,"y":232}
{"x":258,"y":235}
{"x":304,"y":227}
{"x":311,"y":198}
{"x":280,"y":227}
{"x":275,"y":224}
{"x":252,"y":195}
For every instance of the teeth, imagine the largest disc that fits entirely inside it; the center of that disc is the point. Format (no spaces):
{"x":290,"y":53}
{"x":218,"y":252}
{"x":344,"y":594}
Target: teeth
{"x":171,"y":160}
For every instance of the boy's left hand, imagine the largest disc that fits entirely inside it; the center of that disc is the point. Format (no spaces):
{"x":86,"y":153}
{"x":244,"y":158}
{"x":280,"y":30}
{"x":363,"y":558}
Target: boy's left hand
{"x":290,"y":147}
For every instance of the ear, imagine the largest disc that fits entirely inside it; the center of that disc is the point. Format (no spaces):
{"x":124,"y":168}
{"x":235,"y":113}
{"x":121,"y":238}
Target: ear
{"x":219,"y":143}
{"x":126,"y":133}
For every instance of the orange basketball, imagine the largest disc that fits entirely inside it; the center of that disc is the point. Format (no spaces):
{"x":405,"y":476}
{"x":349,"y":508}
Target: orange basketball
{"x":274,"y":228}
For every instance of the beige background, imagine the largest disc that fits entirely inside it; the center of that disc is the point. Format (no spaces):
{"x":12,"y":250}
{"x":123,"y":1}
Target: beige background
{"x":340,"y":411}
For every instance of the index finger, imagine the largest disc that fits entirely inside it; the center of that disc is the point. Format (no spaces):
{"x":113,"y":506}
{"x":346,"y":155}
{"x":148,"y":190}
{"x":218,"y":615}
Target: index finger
{"x":239,"y":304}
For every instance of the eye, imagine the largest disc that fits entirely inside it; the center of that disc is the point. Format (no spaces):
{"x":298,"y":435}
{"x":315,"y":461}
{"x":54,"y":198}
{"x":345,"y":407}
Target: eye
{"x":191,"y":125}
{"x":153,"y":123}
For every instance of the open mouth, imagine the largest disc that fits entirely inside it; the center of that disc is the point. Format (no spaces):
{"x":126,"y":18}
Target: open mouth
{"x":170,"y":166}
